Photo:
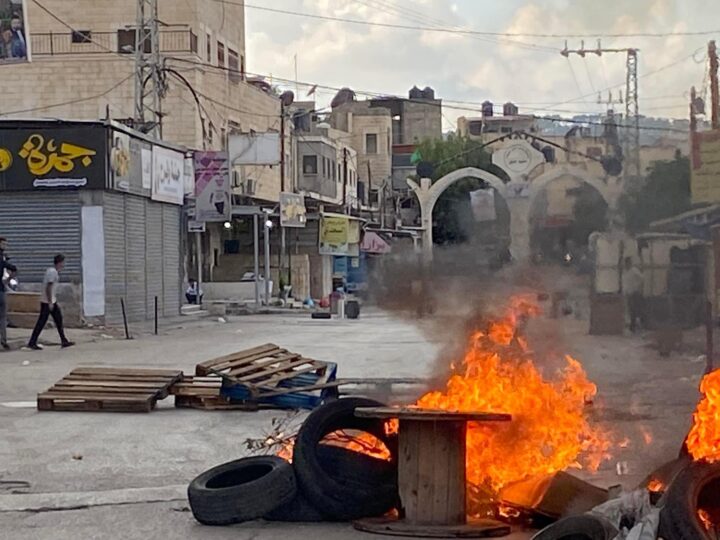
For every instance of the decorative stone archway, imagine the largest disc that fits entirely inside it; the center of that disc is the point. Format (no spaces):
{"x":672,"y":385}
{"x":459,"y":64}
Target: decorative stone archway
{"x":428,"y":195}
{"x":519,"y":197}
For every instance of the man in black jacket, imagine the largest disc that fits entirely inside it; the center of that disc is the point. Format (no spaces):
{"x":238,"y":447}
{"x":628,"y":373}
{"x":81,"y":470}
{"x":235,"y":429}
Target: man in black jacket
{"x":4,"y":266}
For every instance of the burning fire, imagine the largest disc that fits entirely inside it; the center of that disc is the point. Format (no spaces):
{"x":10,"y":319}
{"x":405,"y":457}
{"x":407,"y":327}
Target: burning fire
{"x":703,"y":442}
{"x":705,"y":519}
{"x":655,"y":486}
{"x":549,"y":431}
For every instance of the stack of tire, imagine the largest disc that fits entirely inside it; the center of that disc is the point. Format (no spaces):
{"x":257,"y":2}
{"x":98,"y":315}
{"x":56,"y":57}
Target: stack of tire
{"x":323,"y":483}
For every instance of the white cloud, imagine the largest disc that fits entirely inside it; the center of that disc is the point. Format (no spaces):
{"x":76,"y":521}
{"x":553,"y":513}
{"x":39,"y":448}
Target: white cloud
{"x":470,"y":68}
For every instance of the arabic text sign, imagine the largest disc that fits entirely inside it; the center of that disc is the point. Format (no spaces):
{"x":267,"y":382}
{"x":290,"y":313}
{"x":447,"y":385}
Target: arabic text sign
{"x":339,"y":236}
{"x":292,"y":210}
{"x":53,"y":157}
{"x":168,"y":175}
{"x":254,"y":148}
{"x":212,"y":187}
{"x":705,"y":178}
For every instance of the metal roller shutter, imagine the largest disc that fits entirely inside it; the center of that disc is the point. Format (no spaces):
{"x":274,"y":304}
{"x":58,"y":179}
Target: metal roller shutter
{"x":171,"y":259}
{"x":115,"y":275}
{"x":136,"y":291}
{"x":153,"y":256}
{"x":38,"y":226}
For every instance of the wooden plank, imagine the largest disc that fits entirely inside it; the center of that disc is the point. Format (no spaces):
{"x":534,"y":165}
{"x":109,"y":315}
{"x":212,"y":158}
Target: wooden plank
{"x":119,"y":378}
{"x":287,"y":365}
{"x":408,"y":472}
{"x":49,"y":401}
{"x":213,"y":404}
{"x":429,"y":415}
{"x":256,"y":364}
{"x":93,"y":396}
{"x":204,"y":367}
{"x":270,"y":360}
{"x":279,"y":378}
{"x":72,"y":390}
{"x":171,"y":373}
{"x":248,"y":362}
{"x":110,"y":384}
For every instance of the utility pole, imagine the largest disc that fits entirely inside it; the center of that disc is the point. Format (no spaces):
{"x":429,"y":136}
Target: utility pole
{"x":149,"y":78}
{"x":631,"y":165}
{"x":345,"y":179}
{"x":714,"y":93}
{"x":281,"y":273}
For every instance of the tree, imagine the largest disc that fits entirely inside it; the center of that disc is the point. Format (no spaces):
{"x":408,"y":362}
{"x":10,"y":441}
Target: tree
{"x":665,"y":193}
{"x":453,"y":214}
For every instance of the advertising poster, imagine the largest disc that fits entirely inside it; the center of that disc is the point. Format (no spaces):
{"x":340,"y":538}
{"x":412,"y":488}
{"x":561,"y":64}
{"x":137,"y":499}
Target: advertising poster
{"x":121,"y":160}
{"x":168,"y":175}
{"x":705,"y":174}
{"x":337,"y":233}
{"x":212,"y":187}
{"x":147,"y":167}
{"x":14,"y":40}
{"x":53,"y":158}
{"x":292,"y":210}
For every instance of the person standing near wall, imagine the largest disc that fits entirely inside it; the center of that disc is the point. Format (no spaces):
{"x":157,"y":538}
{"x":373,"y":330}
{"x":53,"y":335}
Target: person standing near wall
{"x":5,"y":266}
{"x":632,"y":284}
{"x":49,"y":305}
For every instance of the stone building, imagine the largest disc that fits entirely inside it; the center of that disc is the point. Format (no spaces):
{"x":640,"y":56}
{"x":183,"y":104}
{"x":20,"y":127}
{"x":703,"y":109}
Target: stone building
{"x":88,"y":73}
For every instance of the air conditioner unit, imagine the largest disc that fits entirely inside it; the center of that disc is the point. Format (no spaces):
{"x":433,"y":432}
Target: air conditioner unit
{"x":236,"y":179}
{"x":249,"y":187}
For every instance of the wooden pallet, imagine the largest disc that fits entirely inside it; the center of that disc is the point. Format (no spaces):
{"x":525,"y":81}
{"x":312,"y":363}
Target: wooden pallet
{"x":109,"y":389}
{"x":268,"y":371}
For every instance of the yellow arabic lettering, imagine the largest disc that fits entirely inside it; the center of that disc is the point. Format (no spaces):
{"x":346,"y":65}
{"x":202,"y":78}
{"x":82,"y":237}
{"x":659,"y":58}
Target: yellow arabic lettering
{"x":42,"y":158}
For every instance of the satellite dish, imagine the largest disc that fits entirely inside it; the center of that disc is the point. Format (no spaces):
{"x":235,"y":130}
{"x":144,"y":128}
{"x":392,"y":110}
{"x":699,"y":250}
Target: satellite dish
{"x":287,"y":98}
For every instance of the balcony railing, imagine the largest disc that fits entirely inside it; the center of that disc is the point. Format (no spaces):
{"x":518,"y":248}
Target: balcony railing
{"x":122,"y":41}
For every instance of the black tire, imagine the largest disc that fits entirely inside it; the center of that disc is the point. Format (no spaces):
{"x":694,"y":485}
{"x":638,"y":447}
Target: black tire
{"x":334,"y":489}
{"x":683,"y":498}
{"x":241,"y":490}
{"x":582,"y":527}
{"x":298,"y":510}
{"x":345,"y":466}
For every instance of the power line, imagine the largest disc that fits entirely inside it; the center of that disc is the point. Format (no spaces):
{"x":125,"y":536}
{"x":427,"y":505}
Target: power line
{"x":379,"y":95}
{"x":71,"y":102}
{"x":417,"y":16}
{"x":467,"y":32}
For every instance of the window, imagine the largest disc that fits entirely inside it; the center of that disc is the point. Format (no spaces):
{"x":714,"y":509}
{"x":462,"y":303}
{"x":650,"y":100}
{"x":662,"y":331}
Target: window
{"x":334,"y":171}
{"x":505,"y":129}
{"x":475,"y":128}
{"x":234,"y":65}
{"x":371,"y":146}
{"x":221,"y":54}
{"x":310,"y":165}
{"x":126,"y":41}
{"x":81,"y":36}
{"x":324,"y":166}
{"x":208,"y":47}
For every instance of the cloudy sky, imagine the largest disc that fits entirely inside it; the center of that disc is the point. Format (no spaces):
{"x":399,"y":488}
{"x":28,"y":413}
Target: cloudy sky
{"x":468,"y":69}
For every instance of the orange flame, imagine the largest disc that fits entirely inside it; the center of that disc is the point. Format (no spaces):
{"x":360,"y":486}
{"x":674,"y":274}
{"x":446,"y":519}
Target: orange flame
{"x":703,"y":442}
{"x":655,"y":486}
{"x":705,"y":519}
{"x":549,"y":431}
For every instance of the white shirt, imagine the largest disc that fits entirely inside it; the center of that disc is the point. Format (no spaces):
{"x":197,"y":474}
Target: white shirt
{"x":51,"y":278}
{"x":632,"y":281}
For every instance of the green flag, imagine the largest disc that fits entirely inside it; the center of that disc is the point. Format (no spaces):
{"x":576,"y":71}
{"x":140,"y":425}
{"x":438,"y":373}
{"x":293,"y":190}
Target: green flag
{"x":416,"y":157}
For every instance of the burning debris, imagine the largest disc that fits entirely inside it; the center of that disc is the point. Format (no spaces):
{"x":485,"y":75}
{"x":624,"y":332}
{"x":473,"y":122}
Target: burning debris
{"x":703,"y":441}
{"x":550,"y":431}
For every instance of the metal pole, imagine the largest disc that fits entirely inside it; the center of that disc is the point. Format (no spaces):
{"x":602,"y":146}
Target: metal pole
{"x":124,"y":314}
{"x":709,"y":340}
{"x":198,"y":249}
{"x":156,"y":315}
{"x":256,"y":249}
{"x":283,"y":256}
{"x":714,"y":91}
{"x":267,"y":262}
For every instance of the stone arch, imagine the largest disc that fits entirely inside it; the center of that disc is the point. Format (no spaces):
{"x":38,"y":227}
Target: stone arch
{"x":435,"y":190}
{"x":429,"y":193}
{"x":539,"y":183}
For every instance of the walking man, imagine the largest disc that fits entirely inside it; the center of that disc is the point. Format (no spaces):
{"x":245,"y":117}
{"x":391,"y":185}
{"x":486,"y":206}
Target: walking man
{"x":49,"y":305}
{"x":5,"y":267}
{"x":632,"y":283}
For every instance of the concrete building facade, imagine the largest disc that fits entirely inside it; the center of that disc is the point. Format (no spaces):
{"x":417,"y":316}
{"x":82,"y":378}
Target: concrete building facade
{"x":88,"y":74}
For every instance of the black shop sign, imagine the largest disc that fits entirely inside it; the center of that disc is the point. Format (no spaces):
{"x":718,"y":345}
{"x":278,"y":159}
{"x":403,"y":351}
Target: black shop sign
{"x":53,"y":158}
